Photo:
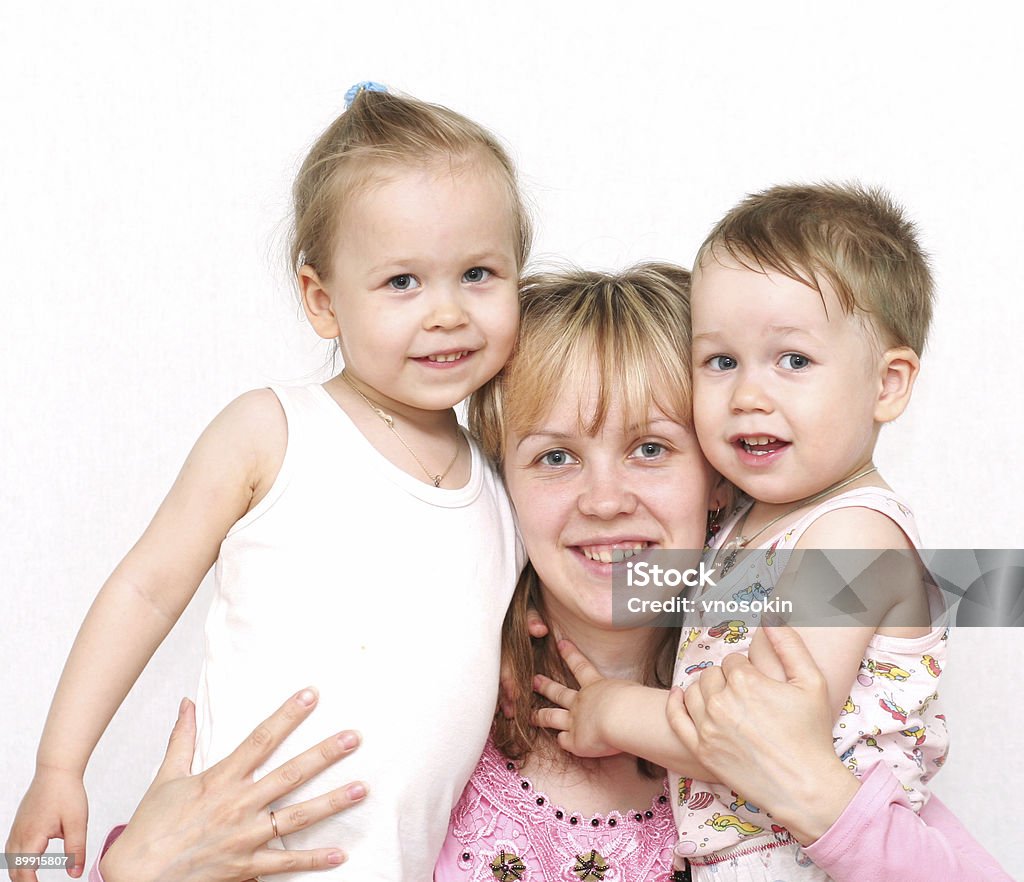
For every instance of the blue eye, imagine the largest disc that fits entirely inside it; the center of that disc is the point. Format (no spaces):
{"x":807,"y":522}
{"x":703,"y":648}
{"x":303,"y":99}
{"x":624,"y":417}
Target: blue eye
{"x":794,"y":361}
{"x":557,"y":458}
{"x":476,"y":274}
{"x":722,"y":363}
{"x":649,"y":450}
{"x":404,"y":282}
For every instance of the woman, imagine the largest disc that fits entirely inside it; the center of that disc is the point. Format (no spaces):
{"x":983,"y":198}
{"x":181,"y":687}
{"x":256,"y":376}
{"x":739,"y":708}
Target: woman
{"x":589,"y":421}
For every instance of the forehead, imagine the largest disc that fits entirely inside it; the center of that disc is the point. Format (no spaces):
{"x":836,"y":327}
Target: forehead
{"x":385,"y":192}
{"x":725,"y":290}
{"x":426,"y":215}
{"x":585,"y":401}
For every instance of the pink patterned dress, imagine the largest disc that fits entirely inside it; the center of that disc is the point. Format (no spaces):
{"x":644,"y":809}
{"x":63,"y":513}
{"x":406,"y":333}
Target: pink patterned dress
{"x":504,"y":829}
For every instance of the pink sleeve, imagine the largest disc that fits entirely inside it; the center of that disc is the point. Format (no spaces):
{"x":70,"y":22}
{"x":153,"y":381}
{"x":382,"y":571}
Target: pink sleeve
{"x":879,"y":838}
{"x":94,"y":873}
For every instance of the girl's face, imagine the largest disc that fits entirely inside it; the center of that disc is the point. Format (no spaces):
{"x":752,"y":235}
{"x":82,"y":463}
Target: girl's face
{"x":423,"y":286}
{"x":579,"y":498}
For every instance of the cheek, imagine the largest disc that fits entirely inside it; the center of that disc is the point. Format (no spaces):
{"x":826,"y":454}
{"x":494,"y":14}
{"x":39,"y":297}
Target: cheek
{"x":706,"y":405}
{"x":502,"y":326}
{"x":683,"y":506}
{"x":540,"y":512}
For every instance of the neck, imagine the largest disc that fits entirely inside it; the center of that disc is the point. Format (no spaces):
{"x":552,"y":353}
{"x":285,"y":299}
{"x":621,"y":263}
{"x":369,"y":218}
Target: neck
{"x":617,"y":653}
{"x":346,"y":386}
{"x":766,"y":518}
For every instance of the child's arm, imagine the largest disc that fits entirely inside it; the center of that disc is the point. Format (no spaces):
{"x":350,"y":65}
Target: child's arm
{"x":607,"y":716}
{"x":234,"y":462}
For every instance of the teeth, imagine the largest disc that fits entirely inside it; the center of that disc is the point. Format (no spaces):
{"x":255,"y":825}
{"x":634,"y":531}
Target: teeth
{"x":452,"y":356}
{"x":607,"y":554}
{"x":756,"y":440}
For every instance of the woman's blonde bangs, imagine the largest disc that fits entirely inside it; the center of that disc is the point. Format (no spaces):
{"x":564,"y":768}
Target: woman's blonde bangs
{"x":631,"y":328}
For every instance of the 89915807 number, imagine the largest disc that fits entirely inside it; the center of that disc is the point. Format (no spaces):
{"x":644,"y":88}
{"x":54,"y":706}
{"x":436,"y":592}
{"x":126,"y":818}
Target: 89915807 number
{"x":28,"y":861}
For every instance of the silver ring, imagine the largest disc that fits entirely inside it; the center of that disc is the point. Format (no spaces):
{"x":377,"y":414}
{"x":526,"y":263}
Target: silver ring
{"x":273,"y":823}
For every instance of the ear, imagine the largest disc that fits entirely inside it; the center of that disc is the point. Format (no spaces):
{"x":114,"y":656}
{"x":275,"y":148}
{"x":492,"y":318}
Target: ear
{"x":722,"y":494}
{"x":898,"y":371}
{"x":316,"y":301}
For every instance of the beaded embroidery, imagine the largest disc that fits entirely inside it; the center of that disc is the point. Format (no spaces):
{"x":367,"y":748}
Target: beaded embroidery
{"x":507,"y":830}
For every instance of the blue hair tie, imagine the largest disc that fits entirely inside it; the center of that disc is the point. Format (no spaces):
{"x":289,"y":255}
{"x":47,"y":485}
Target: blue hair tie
{"x":365,"y":86}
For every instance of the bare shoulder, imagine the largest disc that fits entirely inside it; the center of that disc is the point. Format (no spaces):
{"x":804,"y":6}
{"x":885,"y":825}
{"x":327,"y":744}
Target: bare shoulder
{"x":854,"y":527}
{"x":888,"y":585}
{"x":247,"y":438}
{"x":257,"y":410}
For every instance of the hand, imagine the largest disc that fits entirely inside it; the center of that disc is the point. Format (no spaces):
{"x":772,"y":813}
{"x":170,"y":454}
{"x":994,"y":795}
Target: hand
{"x":214,"y":826}
{"x":581,"y":712}
{"x":770,"y":741}
{"x":54,"y":807}
{"x":507,"y":691}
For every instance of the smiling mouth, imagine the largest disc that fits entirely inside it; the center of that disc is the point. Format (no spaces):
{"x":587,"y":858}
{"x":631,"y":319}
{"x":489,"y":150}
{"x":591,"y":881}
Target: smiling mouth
{"x":615,"y":553}
{"x":446,"y":357}
{"x":760,"y":445}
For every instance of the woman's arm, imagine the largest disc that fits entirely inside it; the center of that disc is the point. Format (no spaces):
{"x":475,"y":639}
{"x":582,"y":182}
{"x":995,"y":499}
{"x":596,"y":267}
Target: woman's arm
{"x":772,"y":742}
{"x":215,"y":826}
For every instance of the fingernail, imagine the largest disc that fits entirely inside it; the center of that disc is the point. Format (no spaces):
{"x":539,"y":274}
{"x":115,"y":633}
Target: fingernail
{"x":181,"y":707}
{"x":307,"y":696}
{"x":355,"y":791}
{"x":348,"y":740}
{"x":336,"y":857}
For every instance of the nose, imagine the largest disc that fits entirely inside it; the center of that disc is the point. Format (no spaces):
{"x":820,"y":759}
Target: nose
{"x":749,"y":393}
{"x":447,"y":309}
{"x":607,"y":493}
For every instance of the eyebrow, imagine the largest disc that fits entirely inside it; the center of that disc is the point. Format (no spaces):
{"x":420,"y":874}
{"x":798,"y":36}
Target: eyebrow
{"x":478,"y":257}
{"x":771,"y":330}
{"x":562,"y":435}
{"x":542,"y":434}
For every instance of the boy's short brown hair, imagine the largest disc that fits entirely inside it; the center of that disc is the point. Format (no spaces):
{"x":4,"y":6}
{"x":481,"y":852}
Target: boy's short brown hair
{"x":857,"y":238}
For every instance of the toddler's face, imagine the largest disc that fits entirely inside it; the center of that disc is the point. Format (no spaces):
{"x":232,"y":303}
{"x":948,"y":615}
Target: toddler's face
{"x":785,"y":382}
{"x":423,"y":289}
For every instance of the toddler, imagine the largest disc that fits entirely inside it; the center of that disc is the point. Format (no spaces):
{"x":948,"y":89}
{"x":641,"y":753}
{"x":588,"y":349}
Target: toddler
{"x":346,"y":521}
{"x":810,"y":307}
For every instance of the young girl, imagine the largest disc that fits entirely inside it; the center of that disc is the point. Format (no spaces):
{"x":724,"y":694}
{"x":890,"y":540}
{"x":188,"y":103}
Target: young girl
{"x":345,"y":520}
{"x":810,"y":307}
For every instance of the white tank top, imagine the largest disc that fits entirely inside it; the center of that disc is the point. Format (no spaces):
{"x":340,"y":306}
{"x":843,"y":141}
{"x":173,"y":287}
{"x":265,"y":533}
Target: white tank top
{"x":385,"y":593}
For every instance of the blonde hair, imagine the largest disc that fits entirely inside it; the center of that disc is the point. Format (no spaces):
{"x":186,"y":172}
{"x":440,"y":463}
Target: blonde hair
{"x":634,"y":327}
{"x":384,"y":128}
{"x":856,"y":238}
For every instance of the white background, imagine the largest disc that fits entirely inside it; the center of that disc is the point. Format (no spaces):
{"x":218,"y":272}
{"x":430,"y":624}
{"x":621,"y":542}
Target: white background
{"x":145,"y":165}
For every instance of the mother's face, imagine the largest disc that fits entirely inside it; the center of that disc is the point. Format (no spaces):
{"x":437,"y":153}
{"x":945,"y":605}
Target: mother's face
{"x":586,"y":501}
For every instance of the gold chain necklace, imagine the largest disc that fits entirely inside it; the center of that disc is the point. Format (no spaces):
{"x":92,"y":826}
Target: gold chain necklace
{"x":733,"y":546}
{"x":389,"y":421}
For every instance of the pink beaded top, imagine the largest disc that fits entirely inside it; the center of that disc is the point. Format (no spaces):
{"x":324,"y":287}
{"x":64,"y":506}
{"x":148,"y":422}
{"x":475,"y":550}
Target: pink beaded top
{"x":503,"y":829}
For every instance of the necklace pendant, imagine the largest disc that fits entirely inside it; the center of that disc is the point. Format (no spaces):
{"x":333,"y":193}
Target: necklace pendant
{"x":730,"y":561}
{"x":733,"y":547}
{"x":437,"y":480}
